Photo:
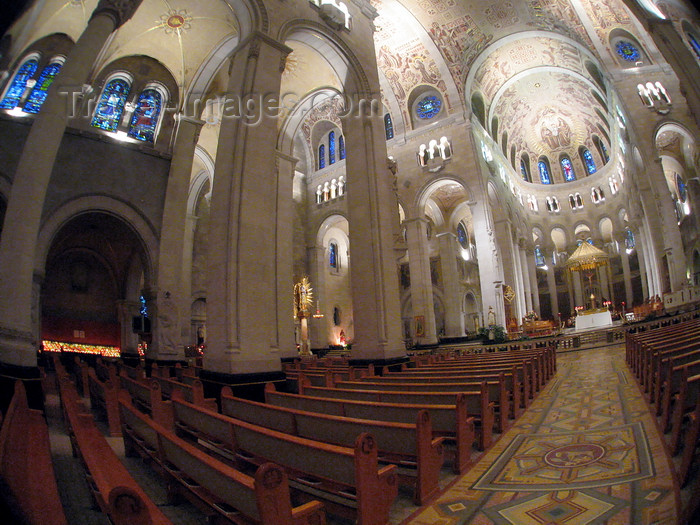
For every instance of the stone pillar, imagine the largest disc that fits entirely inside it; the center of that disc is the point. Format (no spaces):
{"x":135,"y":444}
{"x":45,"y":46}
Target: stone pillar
{"x":421,"y":284}
{"x":625,"y":260}
{"x":318,"y":327}
{"x":373,"y":217}
{"x":26,"y":201}
{"x":553,"y":297}
{"x":454,"y":320}
{"x":242,"y":272}
{"x":126,"y":310}
{"x":171,"y":327}
{"x":188,"y":330}
{"x":489,"y":260}
{"x":647,"y":264}
{"x":285,"y":235}
{"x":525,"y":271}
{"x":534,"y":287}
{"x":579,"y":299}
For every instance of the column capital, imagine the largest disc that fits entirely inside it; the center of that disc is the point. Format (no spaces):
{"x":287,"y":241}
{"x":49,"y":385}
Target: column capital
{"x":120,"y":11}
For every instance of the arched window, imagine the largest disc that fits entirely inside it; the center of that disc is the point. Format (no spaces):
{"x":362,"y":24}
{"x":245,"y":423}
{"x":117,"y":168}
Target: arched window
{"x":602,"y":150}
{"x":572,"y":202}
{"x":14,"y":93}
{"x":629,"y":239}
{"x":41,"y":88}
{"x":567,"y":169}
{"x":543,"y":168}
{"x":333,"y":255}
{"x":462,"y":236}
{"x":682,"y":189}
{"x":321,"y":156}
{"x":111,"y":106}
{"x":144,"y":121}
{"x":539,"y":257}
{"x":341,"y":147}
{"x":331,"y":147}
{"x":693,"y":43}
{"x":525,"y":167}
{"x":579,"y":201}
{"x":388,"y":127}
{"x":588,"y":161}
{"x":555,"y":204}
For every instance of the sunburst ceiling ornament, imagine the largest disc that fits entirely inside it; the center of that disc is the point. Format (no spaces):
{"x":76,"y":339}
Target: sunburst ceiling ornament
{"x":176,"y":21}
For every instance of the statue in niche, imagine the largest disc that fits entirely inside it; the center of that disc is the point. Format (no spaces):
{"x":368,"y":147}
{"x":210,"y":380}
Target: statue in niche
{"x":167,"y":325}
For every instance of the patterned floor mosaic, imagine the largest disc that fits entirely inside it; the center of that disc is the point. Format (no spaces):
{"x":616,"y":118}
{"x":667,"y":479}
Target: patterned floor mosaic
{"x":586,"y":452}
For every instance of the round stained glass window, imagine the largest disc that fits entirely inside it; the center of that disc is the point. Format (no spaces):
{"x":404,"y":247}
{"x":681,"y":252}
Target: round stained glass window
{"x":462,"y":236}
{"x":428,"y":107}
{"x":627,"y":51}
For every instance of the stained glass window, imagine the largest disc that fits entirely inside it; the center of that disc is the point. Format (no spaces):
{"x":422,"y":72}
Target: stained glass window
{"x":333,"y":255}
{"x":143,"y":310}
{"x":523,"y":171}
{"x":145,"y":118}
{"x":567,"y":169}
{"x":321,"y":156}
{"x":629,"y":239}
{"x":19,"y":84}
{"x":627,"y":51}
{"x":462,"y":236}
{"x":539,"y":257}
{"x":694,"y":43}
{"x":331,"y":147}
{"x":604,"y":150}
{"x":111,"y":106}
{"x":341,"y":147}
{"x":544,"y":172}
{"x":428,"y":107}
{"x":589,"y":162}
{"x":41,"y":88}
{"x":388,"y":127}
{"x":682,"y":190}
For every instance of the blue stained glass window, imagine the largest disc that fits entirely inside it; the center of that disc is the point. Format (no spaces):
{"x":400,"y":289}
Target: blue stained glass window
{"x":629,"y":239}
{"x":19,"y":84}
{"x":428,"y":107}
{"x":544,"y":172}
{"x":539,"y":257}
{"x":333,"y":255}
{"x":627,"y":51}
{"x":111,"y":106}
{"x":694,"y":43}
{"x":341,"y":147}
{"x":146,"y":115}
{"x":41,"y":88}
{"x":567,"y":169}
{"x":604,"y":150}
{"x":331,"y":147}
{"x":523,"y":171}
{"x":143,"y":310}
{"x":589,"y":162}
{"x":388,"y":127}
{"x":682,"y":190}
{"x":321,"y":156}
{"x":462,"y":236}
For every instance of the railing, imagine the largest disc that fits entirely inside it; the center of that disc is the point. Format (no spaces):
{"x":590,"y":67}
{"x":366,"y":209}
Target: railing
{"x":570,"y":341}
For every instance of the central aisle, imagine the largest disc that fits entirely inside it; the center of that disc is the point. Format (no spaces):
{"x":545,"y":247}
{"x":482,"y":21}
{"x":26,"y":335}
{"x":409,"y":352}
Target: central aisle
{"x":586,"y":451}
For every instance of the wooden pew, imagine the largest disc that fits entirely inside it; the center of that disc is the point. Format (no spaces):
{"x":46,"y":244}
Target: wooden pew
{"x":26,"y":469}
{"x":104,"y":399}
{"x":113,"y":488}
{"x":450,"y":421}
{"x":478,"y":404}
{"x":672,"y":381}
{"x":497,"y":391}
{"x":411,"y":447}
{"x":348,"y":479}
{"x":212,"y":485}
{"x":192,"y":392}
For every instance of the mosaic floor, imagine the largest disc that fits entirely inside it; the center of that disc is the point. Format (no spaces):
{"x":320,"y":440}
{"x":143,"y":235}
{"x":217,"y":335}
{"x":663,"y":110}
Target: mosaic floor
{"x":586,"y":452}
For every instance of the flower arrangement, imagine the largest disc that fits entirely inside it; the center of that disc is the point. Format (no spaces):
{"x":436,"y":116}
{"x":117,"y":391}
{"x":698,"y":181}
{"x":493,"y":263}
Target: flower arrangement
{"x":532,"y":316}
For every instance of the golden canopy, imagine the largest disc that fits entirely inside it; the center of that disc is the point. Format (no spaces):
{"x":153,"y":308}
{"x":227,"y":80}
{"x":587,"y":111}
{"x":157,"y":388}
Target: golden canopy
{"x":586,"y":257}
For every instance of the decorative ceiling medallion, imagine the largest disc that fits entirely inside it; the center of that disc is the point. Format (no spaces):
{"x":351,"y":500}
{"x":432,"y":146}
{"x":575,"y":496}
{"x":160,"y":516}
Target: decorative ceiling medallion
{"x":176,"y":21}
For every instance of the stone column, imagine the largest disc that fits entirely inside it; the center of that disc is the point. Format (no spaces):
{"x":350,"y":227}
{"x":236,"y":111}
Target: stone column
{"x":318,"y":327}
{"x":579,"y":299}
{"x":188,"y":330}
{"x":534,"y":288}
{"x":126,"y":310}
{"x":25,"y":204}
{"x":625,"y":260}
{"x":243,"y":270}
{"x":553,"y":297}
{"x":373,"y":217}
{"x":285,"y":235}
{"x":421,"y":284}
{"x":171,"y":326}
{"x":489,"y":260}
{"x":454,"y":320}
{"x":525,"y":271}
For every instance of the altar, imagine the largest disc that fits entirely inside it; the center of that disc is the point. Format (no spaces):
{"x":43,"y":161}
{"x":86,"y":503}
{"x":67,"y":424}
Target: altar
{"x":587,"y":319}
